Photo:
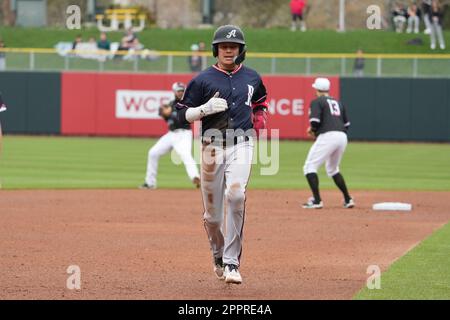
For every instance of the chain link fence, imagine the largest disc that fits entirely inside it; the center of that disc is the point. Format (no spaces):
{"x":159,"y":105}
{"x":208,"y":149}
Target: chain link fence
{"x":394,"y":65}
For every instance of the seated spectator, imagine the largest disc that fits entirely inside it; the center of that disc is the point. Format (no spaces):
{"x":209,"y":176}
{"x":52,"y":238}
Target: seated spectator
{"x":195,"y":60}
{"x":92,"y":42}
{"x":399,"y":17}
{"x":413,"y":18}
{"x":136,"y":44}
{"x":88,"y":50}
{"x":76,"y":42}
{"x":127,"y":40}
{"x":103,"y":43}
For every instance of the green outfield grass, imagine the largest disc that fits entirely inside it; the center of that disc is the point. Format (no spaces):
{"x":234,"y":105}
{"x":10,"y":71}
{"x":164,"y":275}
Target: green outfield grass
{"x":423,"y":273}
{"x":73,"y":162}
{"x":259,"y":40}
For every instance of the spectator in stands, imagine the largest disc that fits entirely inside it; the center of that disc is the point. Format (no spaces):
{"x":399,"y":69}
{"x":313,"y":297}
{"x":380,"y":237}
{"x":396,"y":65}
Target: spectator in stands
{"x":358,"y":67}
{"x":2,"y":56}
{"x":413,"y":18}
{"x":128,"y":40}
{"x":195,"y":60}
{"x":297,"y":11}
{"x":136,"y":44}
{"x":103,"y":43}
{"x":426,"y":9}
{"x":399,"y":17}
{"x":77,"y":41}
{"x":437,"y":16}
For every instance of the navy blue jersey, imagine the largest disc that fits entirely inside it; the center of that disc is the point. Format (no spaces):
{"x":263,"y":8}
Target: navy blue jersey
{"x":243,"y":90}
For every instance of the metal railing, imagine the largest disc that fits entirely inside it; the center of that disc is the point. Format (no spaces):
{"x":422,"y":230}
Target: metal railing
{"x":376,"y":65}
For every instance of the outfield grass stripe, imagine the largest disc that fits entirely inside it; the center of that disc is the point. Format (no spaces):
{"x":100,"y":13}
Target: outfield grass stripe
{"x":423,"y":273}
{"x":30,"y":161}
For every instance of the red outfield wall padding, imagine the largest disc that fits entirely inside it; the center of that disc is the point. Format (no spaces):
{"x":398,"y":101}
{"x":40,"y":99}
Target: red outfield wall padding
{"x":126,"y":104}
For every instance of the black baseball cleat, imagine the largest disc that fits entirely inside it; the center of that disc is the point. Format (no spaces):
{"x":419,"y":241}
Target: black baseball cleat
{"x":196,"y":182}
{"x":147,"y":186}
{"x":350,"y":204}
{"x":218,"y":268}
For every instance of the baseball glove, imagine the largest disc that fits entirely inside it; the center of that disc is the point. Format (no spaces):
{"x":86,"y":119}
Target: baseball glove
{"x":164,"y":111}
{"x":311,"y":133}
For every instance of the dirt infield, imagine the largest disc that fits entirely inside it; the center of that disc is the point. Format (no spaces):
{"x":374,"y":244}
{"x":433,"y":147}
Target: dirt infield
{"x":139,"y":244}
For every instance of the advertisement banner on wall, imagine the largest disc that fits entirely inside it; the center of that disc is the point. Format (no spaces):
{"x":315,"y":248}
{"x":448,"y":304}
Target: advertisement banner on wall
{"x":140,"y":104}
{"x":127,"y":104}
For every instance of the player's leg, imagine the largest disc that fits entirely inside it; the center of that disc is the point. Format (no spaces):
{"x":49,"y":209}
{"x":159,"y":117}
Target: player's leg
{"x":317,"y":155}
{"x":237,"y":173}
{"x":183,"y":147}
{"x":426,"y":20}
{"x":410,"y":24}
{"x":294,"y":22}
{"x":161,"y":147}
{"x":212,"y":187}
{"x":440,"y":36}
{"x":332,"y":167}
{"x":432,"y":36}
{"x":417,"y":24}
{"x":302,"y":23}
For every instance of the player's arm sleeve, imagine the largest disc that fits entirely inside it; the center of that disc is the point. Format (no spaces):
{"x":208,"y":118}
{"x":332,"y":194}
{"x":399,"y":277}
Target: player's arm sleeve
{"x":260,"y":106}
{"x":192,"y":98}
{"x":259,"y":98}
{"x":315,"y":115}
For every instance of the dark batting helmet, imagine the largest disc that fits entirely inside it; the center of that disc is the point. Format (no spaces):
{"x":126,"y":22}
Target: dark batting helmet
{"x":228,"y":33}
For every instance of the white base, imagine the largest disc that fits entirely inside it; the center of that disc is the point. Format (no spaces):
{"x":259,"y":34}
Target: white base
{"x":392,"y":206}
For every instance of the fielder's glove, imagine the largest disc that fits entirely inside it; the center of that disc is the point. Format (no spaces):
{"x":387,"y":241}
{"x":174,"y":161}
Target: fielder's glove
{"x":164,"y":111}
{"x":311,"y":133}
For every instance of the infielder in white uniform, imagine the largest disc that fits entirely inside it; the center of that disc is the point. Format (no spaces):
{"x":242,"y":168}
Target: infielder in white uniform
{"x":178,"y":138}
{"x":230,"y":100}
{"x":2,"y":108}
{"x":329,"y":123}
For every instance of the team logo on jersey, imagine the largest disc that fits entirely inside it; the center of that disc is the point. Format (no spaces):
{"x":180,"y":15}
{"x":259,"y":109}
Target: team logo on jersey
{"x":232,"y":33}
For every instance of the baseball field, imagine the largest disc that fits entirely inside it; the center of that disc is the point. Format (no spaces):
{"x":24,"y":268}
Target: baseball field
{"x":74,"y":201}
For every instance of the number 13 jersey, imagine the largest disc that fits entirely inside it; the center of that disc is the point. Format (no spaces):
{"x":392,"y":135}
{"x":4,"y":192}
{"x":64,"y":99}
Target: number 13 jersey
{"x":330,"y":114}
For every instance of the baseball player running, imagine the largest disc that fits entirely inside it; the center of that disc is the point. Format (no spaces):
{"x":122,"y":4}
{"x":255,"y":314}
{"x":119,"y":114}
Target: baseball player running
{"x":329,"y":123}
{"x":179,"y":138}
{"x":230,"y":100}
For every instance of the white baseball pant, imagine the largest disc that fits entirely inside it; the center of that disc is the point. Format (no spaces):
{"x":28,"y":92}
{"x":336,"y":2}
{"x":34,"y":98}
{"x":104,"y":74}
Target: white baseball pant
{"x":224,"y":178}
{"x":181,"y":141}
{"x":329,"y":148}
